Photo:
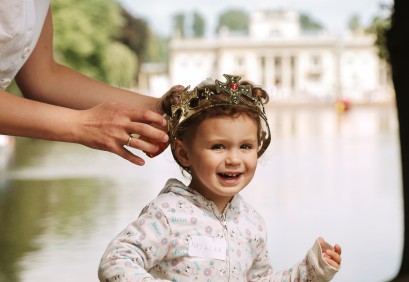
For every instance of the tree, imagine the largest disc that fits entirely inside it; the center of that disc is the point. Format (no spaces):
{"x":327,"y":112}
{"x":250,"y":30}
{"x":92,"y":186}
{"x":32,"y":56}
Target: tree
{"x":379,"y":26}
{"x":309,"y":24}
{"x":234,"y":20}
{"x":354,"y":23}
{"x":156,"y":49}
{"x":198,"y":25}
{"x":134,"y":33}
{"x":84,"y":33}
{"x":124,"y":65}
{"x":179,"y":24}
{"x":190,"y":25}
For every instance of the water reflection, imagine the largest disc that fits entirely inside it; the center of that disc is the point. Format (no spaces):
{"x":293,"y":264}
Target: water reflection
{"x":30,"y":209}
{"x":322,"y":121}
{"x":324,"y":174}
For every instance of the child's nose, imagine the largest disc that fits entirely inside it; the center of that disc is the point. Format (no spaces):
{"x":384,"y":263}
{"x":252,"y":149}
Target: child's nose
{"x":233,"y":158}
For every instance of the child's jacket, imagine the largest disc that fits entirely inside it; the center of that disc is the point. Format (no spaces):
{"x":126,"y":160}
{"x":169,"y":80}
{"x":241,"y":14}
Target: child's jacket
{"x":181,"y":236}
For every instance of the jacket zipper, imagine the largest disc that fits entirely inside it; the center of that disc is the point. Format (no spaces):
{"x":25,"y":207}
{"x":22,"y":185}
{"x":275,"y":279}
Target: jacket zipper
{"x":226,"y":237}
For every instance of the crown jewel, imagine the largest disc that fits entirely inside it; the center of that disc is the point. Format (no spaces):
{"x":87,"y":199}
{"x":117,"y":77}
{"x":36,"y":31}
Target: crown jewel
{"x":231,"y":93}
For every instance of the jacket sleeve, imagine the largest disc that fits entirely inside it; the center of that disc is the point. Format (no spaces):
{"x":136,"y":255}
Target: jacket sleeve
{"x":131,"y":254}
{"x":311,"y":268}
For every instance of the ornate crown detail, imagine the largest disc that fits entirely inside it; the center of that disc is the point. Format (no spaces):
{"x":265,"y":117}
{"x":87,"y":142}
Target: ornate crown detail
{"x":231,"y":93}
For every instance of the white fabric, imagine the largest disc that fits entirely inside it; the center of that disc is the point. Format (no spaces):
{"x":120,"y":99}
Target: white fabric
{"x":21,"y":22}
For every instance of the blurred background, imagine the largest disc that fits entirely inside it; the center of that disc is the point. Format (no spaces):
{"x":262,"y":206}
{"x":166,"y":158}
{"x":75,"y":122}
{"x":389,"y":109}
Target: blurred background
{"x":332,"y":169}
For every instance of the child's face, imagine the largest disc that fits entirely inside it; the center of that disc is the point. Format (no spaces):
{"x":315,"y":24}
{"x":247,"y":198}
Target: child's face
{"x":222,"y":156}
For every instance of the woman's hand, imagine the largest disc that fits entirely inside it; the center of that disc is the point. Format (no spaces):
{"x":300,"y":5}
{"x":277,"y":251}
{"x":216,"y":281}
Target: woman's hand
{"x":109,"y":126}
{"x":72,"y":107}
{"x":164,"y":106}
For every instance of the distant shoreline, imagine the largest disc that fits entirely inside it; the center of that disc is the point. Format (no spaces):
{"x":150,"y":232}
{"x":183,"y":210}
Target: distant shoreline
{"x":295,"y":105}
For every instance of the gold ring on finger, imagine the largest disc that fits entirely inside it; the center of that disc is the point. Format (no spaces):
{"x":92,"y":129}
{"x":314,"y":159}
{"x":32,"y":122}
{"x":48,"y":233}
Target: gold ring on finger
{"x":133,"y":135}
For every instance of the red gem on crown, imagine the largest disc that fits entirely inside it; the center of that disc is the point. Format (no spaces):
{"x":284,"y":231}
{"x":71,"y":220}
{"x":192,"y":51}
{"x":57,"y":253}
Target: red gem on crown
{"x":234,"y":86}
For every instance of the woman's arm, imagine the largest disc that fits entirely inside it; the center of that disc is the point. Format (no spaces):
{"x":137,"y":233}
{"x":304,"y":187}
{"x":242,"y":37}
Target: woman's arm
{"x":42,"y":79}
{"x":104,"y":127}
{"x":65,"y":105}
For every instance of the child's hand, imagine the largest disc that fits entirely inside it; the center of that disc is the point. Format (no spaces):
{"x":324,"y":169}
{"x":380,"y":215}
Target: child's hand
{"x":332,"y":255}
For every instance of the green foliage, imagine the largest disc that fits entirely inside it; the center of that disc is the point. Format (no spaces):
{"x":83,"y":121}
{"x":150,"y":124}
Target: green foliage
{"x":198,"y":25}
{"x":13,"y":89}
{"x":83,"y":37}
{"x":354,"y":23}
{"x":123,"y":62}
{"x":380,"y":24}
{"x":185,"y":27}
{"x":179,"y":24}
{"x":52,"y":208}
{"x":309,"y":24}
{"x":134,"y":33}
{"x":157,"y":49}
{"x":234,"y":20}
{"x":379,"y":27}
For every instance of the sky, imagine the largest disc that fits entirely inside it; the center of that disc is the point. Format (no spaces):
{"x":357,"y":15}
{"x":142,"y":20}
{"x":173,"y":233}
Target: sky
{"x":332,"y":14}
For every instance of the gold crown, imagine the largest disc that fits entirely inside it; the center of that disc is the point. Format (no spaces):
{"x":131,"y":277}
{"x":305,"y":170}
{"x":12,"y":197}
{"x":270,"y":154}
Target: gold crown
{"x":190,"y":103}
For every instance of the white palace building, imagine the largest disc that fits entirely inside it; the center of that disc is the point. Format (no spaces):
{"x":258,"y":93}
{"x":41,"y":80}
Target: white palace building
{"x":291,"y":65}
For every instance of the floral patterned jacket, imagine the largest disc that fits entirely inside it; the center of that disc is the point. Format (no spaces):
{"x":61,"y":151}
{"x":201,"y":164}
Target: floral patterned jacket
{"x":181,"y":236}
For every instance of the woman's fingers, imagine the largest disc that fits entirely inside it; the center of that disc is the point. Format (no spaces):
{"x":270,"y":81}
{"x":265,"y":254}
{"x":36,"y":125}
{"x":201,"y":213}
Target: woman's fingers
{"x":146,"y":116}
{"x":112,"y":126}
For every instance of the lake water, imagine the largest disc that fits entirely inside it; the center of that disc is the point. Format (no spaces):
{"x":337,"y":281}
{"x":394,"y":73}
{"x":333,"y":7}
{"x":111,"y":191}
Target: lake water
{"x":324,"y":174}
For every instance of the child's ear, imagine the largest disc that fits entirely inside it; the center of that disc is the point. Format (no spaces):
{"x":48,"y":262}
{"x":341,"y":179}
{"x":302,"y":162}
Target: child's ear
{"x":181,"y":153}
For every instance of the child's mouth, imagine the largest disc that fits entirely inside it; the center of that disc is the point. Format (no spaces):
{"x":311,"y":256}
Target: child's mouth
{"x":229,"y":175}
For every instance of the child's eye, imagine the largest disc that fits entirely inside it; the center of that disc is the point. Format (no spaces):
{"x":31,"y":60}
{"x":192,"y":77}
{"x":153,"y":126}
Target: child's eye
{"x":217,"y":147}
{"x":246,"y":146}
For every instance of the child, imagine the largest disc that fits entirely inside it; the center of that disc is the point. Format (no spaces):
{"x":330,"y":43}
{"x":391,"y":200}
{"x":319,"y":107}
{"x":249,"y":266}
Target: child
{"x":205,"y":231}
